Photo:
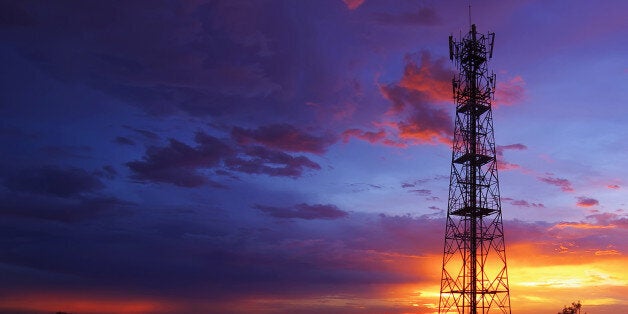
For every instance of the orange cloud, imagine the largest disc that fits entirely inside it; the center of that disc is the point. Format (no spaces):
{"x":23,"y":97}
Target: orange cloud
{"x":430,"y":78}
{"x":579,"y":225}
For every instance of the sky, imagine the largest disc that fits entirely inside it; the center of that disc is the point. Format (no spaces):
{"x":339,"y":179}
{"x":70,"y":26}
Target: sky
{"x":294,"y":156}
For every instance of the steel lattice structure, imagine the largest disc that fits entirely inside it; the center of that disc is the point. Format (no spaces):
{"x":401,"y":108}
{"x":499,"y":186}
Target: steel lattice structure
{"x":474,"y":276}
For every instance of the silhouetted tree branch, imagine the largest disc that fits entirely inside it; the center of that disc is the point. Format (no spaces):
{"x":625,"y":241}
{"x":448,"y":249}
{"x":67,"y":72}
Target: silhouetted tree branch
{"x":573,"y":309}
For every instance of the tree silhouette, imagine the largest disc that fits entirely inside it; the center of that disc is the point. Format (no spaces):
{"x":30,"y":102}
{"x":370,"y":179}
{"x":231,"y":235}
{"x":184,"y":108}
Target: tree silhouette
{"x":573,"y":309}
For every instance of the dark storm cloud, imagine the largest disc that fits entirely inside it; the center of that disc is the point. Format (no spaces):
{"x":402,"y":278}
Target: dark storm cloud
{"x":52,"y":180}
{"x":304,"y":211}
{"x":284,"y":137}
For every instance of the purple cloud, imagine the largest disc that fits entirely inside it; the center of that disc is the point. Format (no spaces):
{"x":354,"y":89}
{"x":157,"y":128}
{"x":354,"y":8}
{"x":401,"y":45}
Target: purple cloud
{"x":413,"y":116}
{"x":304,"y":211}
{"x":181,"y":164}
{"x":259,"y":160}
{"x":502,"y":164}
{"x":522,"y":203}
{"x":563,"y":184}
{"x":52,"y":180}
{"x":123,"y":140}
{"x":284,"y":137}
{"x":422,"y":192}
{"x":501,"y":148}
{"x":587,"y":202}
{"x":178,"y":163}
{"x":423,"y":17}
{"x":67,"y":210}
{"x":145,"y":133}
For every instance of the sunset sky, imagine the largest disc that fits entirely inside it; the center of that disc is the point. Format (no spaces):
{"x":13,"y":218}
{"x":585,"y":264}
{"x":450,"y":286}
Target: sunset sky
{"x":294,"y":156}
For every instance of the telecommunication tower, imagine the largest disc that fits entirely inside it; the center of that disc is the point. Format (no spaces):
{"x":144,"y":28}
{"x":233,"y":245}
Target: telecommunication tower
{"x":474,"y":276}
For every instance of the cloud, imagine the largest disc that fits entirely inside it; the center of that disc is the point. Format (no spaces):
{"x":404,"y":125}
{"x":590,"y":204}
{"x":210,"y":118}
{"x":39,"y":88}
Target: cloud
{"x":163,"y":68}
{"x":510,"y":92}
{"x":414,"y":118}
{"x":427,"y":76}
{"x":422,"y":192}
{"x":424,"y":124}
{"x":74,"y":210}
{"x":353,"y":4}
{"x":145,"y":133}
{"x":304,"y":211}
{"x":52,"y":180}
{"x":427,"y":127}
{"x":423,"y":17}
{"x":178,"y":163}
{"x":522,"y":203}
{"x":501,"y":148}
{"x":563,"y":184}
{"x":123,"y":140}
{"x":260,"y":160}
{"x":181,"y":164}
{"x":371,"y":137}
{"x":284,"y":137}
{"x":108,"y":171}
{"x":613,"y":186}
{"x":502,"y":164}
{"x":587,"y":202}
{"x":64,"y":151}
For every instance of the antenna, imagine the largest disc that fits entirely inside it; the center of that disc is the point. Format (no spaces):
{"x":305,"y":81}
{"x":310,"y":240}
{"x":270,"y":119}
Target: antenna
{"x":492,"y":35}
{"x":469,"y":12}
{"x":451,"y":47}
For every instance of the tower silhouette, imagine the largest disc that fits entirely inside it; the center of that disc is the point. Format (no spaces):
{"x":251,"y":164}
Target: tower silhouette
{"x":474,"y":276}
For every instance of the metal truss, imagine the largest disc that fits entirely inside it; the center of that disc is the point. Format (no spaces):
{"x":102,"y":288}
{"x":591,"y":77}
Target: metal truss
{"x":474,"y":275}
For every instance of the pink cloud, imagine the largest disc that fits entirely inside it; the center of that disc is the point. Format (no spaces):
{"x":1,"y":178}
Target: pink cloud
{"x":353,"y":4}
{"x":523,"y":203}
{"x":502,"y":164}
{"x":563,"y":184}
{"x":371,"y":137}
{"x":431,"y":78}
{"x":510,"y":92}
{"x":422,"y":123}
{"x":587,"y":202}
{"x":613,"y":186}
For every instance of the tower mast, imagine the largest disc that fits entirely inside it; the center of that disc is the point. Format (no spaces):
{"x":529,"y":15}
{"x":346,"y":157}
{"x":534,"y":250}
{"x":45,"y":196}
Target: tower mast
{"x":474,"y":275}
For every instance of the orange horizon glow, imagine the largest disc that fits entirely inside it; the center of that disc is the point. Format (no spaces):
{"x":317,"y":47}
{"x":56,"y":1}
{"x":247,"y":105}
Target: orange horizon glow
{"x":543,"y":284}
